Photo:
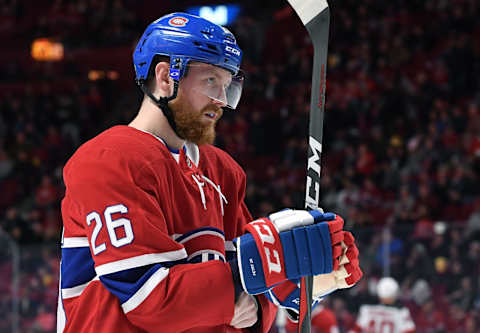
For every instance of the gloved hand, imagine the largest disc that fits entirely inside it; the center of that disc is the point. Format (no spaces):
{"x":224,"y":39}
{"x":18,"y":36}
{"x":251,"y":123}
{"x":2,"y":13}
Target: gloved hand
{"x":347,"y":275}
{"x":288,"y":245}
{"x":287,"y":294}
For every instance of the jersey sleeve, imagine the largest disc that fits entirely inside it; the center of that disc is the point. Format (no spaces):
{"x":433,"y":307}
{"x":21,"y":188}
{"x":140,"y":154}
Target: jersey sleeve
{"x":406,"y":322}
{"x":362,"y":319}
{"x":243,"y":216}
{"x":115,"y":232}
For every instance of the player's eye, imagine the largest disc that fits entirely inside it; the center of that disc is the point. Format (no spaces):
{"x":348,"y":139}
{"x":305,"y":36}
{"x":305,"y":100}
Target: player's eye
{"x":211,"y":81}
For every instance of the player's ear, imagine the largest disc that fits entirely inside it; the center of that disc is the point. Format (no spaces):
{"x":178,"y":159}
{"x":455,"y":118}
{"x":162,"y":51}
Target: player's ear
{"x":163,"y":81}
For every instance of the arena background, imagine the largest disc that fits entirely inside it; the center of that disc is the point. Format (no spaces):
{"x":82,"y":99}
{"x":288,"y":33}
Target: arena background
{"x":401,"y":157}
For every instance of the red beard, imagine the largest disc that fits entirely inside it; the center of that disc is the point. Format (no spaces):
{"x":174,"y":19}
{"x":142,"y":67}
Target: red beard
{"x":190,"y":124}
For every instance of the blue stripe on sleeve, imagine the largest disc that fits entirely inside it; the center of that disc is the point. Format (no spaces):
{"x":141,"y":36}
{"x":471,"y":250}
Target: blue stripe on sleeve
{"x":126,"y":283}
{"x":77,"y":266}
{"x":187,"y":234}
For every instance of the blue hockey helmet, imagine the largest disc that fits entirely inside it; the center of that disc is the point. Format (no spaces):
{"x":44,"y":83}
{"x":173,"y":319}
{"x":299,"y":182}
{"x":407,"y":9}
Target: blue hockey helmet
{"x":184,"y":38}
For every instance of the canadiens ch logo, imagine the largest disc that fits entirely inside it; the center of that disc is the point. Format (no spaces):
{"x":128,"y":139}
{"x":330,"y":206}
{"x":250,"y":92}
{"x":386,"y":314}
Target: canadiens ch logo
{"x":178,"y":21}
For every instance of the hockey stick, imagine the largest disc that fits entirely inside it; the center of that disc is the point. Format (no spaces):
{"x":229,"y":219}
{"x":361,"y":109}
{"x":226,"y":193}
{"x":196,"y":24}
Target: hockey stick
{"x":315,"y":15}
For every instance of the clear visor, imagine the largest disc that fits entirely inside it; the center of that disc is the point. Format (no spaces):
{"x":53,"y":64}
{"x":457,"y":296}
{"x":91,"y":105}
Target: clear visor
{"x":217,"y":84}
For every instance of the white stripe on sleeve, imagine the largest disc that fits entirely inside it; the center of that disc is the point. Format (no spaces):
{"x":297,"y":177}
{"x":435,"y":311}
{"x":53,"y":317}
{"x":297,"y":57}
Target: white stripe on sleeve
{"x":77,"y":290}
{"x":69,"y":242}
{"x":205,"y":254}
{"x":145,"y":290}
{"x":143,"y":260}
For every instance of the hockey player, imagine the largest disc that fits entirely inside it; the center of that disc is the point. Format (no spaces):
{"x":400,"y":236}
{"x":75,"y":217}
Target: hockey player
{"x":388,"y":316}
{"x":157,"y":237}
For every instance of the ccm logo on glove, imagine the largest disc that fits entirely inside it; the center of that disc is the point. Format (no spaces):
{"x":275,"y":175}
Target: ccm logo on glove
{"x":264,"y":232}
{"x":268,"y":239}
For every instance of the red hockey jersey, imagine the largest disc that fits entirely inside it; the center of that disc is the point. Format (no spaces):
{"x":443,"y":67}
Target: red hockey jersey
{"x":147,"y":233}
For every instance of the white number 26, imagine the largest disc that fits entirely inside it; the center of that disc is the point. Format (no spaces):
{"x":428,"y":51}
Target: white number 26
{"x":111,"y":226}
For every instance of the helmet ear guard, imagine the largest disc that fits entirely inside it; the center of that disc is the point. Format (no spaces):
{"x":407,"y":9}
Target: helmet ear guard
{"x":162,"y":102}
{"x":177,"y":68}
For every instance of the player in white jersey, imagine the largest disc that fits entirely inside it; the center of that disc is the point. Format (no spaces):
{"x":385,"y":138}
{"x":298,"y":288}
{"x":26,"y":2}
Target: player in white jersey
{"x":387,"y":317}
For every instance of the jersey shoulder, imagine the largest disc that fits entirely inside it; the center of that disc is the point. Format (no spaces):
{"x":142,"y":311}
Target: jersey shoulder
{"x":126,"y":141}
{"x":120,"y":149}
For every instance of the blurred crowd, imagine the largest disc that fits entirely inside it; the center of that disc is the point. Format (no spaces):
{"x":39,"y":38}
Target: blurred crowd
{"x":401,"y":135}
{"x":438,"y":274}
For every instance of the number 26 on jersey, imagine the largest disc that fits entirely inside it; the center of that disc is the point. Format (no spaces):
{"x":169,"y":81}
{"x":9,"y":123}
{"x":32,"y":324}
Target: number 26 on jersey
{"x":112,"y":225}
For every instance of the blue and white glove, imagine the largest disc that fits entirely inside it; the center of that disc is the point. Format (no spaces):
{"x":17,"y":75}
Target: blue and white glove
{"x":288,"y":245}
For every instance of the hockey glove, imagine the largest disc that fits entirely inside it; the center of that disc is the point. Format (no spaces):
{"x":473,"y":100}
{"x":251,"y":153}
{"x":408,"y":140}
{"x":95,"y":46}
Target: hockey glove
{"x":348,"y":274}
{"x":267,"y":257}
{"x":287,"y":294}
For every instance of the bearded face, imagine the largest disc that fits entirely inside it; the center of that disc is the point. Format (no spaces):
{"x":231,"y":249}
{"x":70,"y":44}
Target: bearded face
{"x":196,"y":125}
{"x":202,"y":93}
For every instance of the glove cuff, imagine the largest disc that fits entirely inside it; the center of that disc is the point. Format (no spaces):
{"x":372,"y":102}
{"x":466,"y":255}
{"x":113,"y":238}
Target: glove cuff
{"x":237,"y":284}
{"x":260,"y":257}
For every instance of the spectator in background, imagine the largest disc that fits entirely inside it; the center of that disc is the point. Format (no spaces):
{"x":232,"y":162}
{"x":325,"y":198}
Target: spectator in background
{"x":365,"y":161}
{"x":429,"y":319}
{"x":44,"y":321}
{"x":6,"y":163}
{"x":464,"y":295}
{"x":473,"y":222}
{"x":46,"y":193}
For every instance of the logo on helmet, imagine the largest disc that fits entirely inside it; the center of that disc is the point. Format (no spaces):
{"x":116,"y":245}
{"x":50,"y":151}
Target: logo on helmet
{"x":232,"y":50}
{"x":178,"y":21}
{"x":174,"y":74}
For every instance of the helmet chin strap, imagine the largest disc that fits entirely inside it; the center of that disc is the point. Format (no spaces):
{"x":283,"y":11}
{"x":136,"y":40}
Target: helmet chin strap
{"x":162,"y":104}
